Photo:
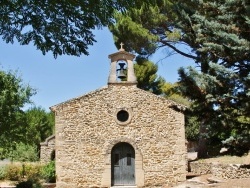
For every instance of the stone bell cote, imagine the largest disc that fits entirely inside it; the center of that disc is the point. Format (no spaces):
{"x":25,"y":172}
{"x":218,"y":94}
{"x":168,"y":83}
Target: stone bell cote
{"x":122,"y":68}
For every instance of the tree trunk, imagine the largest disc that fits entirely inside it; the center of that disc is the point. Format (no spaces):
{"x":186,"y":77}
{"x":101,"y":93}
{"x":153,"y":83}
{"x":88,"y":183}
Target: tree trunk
{"x":202,"y":145}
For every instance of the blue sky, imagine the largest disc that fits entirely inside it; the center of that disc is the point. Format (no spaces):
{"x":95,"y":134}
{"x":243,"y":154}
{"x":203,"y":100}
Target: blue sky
{"x":57,"y":80}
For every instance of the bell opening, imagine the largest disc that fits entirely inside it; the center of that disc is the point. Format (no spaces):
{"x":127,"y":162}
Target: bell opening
{"x":121,"y":71}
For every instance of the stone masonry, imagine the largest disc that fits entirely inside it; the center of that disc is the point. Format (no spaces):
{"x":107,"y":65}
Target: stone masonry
{"x":222,"y":171}
{"x":46,"y":149}
{"x":87,"y":128}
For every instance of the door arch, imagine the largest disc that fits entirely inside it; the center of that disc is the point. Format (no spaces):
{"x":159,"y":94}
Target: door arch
{"x":123,"y":164}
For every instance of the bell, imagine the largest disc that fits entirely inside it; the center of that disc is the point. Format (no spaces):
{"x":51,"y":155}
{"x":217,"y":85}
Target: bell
{"x":122,"y":74}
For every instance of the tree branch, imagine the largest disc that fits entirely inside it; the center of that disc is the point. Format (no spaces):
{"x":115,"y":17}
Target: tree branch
{"x":178,"y":51}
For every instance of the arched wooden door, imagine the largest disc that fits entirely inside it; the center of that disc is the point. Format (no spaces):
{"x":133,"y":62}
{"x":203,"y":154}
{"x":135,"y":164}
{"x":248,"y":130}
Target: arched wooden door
{"x":123,"y":164}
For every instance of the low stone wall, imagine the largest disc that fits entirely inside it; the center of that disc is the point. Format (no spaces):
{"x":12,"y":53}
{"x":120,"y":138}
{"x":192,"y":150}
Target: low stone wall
{"x":199,"y":168}
{"x":230,"y":171}
{"x":224,"y":171}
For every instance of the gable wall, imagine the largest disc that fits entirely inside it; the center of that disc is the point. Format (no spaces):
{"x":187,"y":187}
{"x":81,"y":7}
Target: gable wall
{"x":87,"y":126}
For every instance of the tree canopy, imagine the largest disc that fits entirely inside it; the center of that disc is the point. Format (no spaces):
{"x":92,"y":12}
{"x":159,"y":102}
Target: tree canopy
{"x":13,"y":96}
{"x":147,"y":78}
{"x":221,"y":90}
{"x":19,"y":129}
{"x":62,"y":27}
{"x":40,"y":125}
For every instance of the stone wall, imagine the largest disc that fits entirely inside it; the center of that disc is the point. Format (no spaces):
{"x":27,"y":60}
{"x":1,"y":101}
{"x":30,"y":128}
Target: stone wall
{"x":46,"y":149}
{"x":87,"y":129}
{"x":199,"y":168}
{"x":224,"y":171}
{"x":230,"y":171}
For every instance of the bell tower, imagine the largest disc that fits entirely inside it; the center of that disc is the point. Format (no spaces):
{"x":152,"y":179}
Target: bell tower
{"x":122,"y":68}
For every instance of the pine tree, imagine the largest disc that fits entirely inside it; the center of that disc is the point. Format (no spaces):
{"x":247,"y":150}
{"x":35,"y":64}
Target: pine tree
{"x":221,"y":33}
{"x":147,"y":78}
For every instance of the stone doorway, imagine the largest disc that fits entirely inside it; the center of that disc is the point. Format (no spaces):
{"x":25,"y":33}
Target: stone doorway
{"x":123,"y":164}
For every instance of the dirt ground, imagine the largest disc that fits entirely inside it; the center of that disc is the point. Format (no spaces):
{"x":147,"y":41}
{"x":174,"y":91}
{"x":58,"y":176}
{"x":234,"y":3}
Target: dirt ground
{"x":205,"y":181}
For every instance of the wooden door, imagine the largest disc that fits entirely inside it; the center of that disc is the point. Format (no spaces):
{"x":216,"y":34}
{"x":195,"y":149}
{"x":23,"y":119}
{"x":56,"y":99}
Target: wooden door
{"x":123,"y":164}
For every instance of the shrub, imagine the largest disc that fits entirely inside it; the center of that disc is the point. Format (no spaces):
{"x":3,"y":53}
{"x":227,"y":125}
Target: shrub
{"x":13,"y":172}
{"x":32,"y":171}
{"x":24,"y":152}
{"x":2,"y":172}
{"x":49,"y":173}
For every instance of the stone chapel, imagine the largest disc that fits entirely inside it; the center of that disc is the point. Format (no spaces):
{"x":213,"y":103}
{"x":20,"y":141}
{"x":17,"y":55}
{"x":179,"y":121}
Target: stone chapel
{"x":119,"y":135}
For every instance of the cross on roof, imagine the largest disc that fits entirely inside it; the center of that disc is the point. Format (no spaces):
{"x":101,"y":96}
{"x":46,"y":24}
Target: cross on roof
{"x":121,"y":49}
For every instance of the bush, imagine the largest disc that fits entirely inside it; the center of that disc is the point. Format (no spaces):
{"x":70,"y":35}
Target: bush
{"x":27,"y":174}
{"x":2,"y":172}
{"x":13,"y":172}
{"x":32,"y":171}
{"x":24,"y":152}
{"x":49,"y":173}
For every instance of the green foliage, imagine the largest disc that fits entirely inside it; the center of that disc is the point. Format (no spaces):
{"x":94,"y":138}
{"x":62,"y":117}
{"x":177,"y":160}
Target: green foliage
{"x":217,"y":101}
{"x":23,"y":153}
{"x":63,"y":27}
{"x":142,"y":27}
{"x":221,"y":41}
{"x":13,"y":96}
{"x":191,"y":127}
{"x":2,"y":172}
{"x":40,"y":125}
{"x":147,"y":78}
{"x":238,"y":139}
{"x":17,"y":126}
{"x":170,"y":91}
{"x":49,"y":173}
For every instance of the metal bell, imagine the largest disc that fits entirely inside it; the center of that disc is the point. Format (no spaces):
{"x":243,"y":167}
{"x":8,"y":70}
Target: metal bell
{"x":122,"y":74}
